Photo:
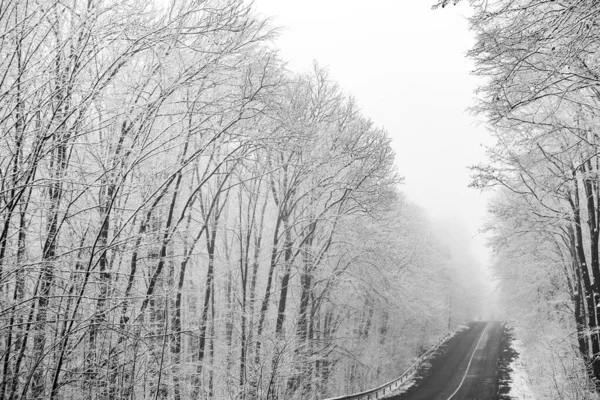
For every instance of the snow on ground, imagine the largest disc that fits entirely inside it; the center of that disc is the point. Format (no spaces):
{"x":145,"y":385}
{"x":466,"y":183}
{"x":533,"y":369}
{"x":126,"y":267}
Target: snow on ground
{"x":519,"y":385}
{"x":403,"y":388}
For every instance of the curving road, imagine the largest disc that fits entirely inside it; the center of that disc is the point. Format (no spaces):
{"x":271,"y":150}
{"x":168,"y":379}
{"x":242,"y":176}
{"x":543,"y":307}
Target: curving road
{"x":465,"y":369}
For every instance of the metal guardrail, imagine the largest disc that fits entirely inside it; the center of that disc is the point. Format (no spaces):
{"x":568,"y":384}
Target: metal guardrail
{"x":387,"y":388}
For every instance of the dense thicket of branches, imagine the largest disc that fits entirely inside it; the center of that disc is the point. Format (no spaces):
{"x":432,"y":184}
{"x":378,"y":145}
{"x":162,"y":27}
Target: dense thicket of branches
{"x":180,"y":217}
{"x":540,"y":59}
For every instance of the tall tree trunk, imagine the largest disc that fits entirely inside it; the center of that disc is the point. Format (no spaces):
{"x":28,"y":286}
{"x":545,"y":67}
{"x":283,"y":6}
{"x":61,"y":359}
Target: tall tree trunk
{"x":258,"y":235}
{"x":285,"y":279}
{"x":46,"y":277}
{"x":211,"y":237}
{"x":265,"y":302}
{"x":587,"y":299}
{"x":204,"y":320}
{"x":16,"y":319}
{"x":211,"y":345}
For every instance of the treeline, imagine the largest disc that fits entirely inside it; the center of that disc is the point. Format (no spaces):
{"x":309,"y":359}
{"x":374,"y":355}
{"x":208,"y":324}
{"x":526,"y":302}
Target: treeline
{"x":541,"y":97}
{"x":181,"y":217}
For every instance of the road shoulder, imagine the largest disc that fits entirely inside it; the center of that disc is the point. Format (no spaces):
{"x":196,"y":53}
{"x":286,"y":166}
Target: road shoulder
{"x":512,"y":376}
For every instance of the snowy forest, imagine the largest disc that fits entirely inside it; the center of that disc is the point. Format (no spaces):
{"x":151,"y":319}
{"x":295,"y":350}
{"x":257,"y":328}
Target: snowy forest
{"x":538,"y":61}
{"x":183,"y":217}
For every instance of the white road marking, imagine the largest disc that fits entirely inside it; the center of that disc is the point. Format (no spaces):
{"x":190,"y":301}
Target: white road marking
{"x":469,"y":366}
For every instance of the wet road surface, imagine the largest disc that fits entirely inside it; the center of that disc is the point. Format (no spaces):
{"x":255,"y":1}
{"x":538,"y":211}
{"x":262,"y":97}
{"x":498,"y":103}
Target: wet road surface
{"x":466,"y":368}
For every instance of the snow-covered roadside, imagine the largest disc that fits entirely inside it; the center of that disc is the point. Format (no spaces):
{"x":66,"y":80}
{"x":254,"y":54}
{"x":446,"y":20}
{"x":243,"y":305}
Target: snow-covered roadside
{"x":519,"y":386}
{"x":540,"y":364}
{"x":513,"y":382}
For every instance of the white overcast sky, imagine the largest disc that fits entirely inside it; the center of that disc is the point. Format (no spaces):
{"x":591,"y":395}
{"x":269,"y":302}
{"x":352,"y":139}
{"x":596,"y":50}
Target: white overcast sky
{"x":406,"y":65}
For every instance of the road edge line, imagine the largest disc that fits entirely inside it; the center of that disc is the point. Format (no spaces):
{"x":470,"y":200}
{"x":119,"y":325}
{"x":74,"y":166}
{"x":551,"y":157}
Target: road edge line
{"x":469,"y":365}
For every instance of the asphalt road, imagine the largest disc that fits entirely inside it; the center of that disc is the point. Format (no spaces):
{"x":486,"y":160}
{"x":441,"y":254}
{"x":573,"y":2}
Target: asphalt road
{"x":465,"y":369}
